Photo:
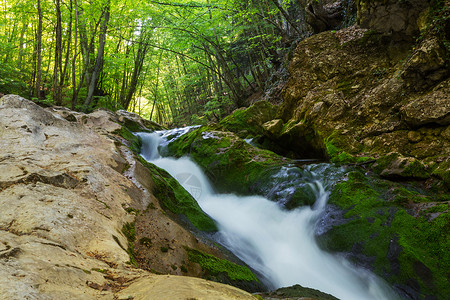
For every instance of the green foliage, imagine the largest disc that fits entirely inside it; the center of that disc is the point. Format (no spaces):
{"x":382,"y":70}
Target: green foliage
{"x":216,"y":266}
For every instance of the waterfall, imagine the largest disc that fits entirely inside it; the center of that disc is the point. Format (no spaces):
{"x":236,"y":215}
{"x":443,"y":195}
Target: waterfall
{"x":277,"y":243}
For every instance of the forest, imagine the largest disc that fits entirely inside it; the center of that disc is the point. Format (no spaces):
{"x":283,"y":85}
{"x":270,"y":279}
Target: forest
{"x":174,"y":62}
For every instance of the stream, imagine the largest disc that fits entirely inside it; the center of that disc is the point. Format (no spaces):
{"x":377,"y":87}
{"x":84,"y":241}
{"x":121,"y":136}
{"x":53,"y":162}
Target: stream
{"x":278,"y":244}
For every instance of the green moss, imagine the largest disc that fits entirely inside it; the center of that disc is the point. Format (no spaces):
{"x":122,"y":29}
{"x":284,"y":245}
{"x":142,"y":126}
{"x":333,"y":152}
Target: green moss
{"x":247,"y":122}
{"x":131,"y":210}
{"x":103,"y":271}
{"x":335,"y":152}
{"x":183,"y":269}
{"x":176,"y":199}
{"x":164,"y":249}
{"x":410,"y":168}
{"x":129,"y":231}
{"x":216,"y":266}
{"x":415,"y":169}
{"x":134,"y":142}
{"x":377,"y":222}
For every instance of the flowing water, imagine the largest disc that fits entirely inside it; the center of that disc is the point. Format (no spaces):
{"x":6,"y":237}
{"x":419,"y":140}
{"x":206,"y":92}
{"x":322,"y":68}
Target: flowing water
{"x":277,"y":243}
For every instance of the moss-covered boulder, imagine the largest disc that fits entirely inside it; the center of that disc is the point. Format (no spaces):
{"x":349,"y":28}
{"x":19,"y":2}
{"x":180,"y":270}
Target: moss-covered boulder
{"x":298,"y":292}
{"x":224,"y":271}
{"x":247,"y":122}
{"x":400,"y":231}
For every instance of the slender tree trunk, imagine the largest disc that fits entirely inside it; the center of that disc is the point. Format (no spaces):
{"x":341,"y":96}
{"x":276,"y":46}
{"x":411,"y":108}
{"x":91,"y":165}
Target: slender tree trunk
{"x":38,"y":51}
{"x":74,"y":60}
{"x":57,"y":96}
{"x":99,"y":60}
{"x":67,"y":58}
{"x":138,"y":63}
{"x":21,"y":44}
{"x":156,"y":85}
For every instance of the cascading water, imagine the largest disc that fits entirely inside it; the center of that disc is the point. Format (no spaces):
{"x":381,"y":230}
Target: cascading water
{"x":277,"y":243}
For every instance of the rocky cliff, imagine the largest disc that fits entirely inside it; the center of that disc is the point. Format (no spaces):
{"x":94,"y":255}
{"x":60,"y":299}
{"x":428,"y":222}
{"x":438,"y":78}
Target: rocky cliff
{"x":78,"y":214}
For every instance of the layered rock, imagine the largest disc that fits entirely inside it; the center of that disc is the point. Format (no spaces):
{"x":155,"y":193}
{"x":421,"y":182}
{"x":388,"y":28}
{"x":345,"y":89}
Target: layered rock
{"x":70,"y":191}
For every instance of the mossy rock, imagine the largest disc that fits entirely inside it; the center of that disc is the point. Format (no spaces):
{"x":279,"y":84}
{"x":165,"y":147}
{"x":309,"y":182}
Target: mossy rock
{"x":400,"y":231}
{"x":224,"y":271}
{"x":176,"y":199}
{"x":298,"y":292}
{"x":394,"y":166}
{"x":133,"y":142}
{"x":247,"y":122}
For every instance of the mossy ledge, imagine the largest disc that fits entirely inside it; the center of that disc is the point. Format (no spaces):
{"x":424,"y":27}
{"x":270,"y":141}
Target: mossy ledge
{"x":224,"y":271}
{"x":401,"y":231}
{"x":176,"y":199}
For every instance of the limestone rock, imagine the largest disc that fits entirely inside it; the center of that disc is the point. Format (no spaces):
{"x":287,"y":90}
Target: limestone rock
{"x":172,"y":287}
{"x":135,"y":123}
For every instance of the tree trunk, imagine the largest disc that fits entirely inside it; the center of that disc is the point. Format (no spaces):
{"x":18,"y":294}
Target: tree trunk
{"x":38,"y":51}
{"x":74,"y":60}
{"x":57,"y":96}
{"x":138,"y":63}
{"x":99,"y":60}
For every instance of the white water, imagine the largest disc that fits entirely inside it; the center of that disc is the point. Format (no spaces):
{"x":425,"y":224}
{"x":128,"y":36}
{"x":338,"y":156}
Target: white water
{"x":277,"y":243}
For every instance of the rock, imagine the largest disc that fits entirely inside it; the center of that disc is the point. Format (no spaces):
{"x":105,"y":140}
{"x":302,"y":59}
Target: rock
{"x":427,"y":66}
{"x":326,"y":14}
{"x":135,"y":123}
{"x":392,"y":17}
{"x":273,"y":127}
{"x":433,"y":108}
{"x":354,"y":94}
{"x":247,"y":122}
{"x":173,"y":287}
{"x":69,"y":192}
{"x":394,"y":166}
{"x":384,"y":219}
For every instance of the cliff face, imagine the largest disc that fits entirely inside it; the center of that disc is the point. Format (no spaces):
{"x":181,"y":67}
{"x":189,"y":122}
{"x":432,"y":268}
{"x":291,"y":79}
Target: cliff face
{"x":368,"y":91}
{"x":70,"y":190}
